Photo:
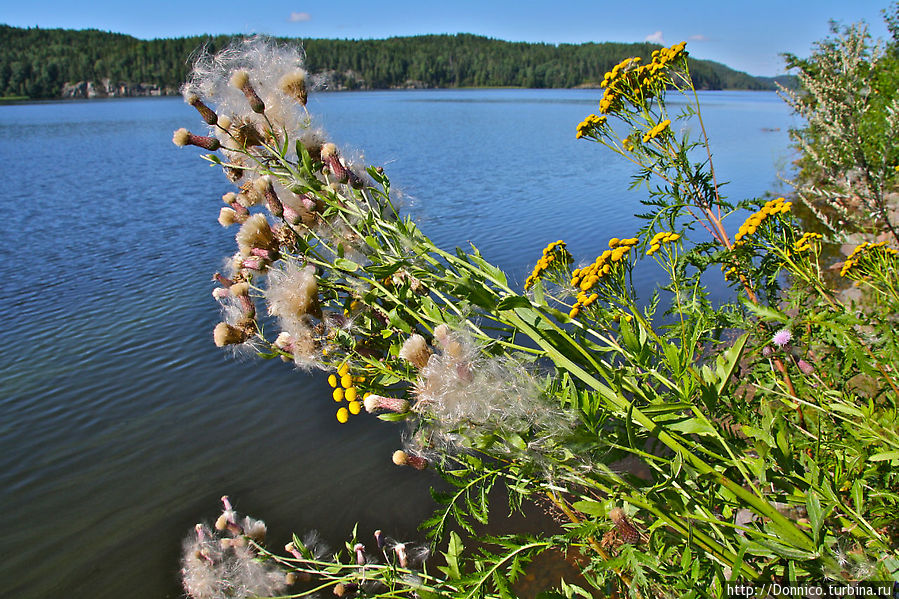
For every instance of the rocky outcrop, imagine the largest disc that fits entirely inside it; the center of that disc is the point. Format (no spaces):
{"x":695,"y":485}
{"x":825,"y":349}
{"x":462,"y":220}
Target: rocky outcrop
{"x":107,"y":89}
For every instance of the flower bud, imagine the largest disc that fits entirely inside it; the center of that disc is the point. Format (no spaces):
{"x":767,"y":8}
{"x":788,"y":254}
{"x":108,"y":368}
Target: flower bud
{"x":332,"y":161}
{"x":401,"y":458}
{"x":263,"y":186}
{"x":374,"y":403}
{"x":400,"y":550}
{"x":291,"y":549}
{"x":626,"y":530}
{"x":241,"y":80}
{"x":208,"y":115}
{"x":359,"y":548}
{"x":342,"y":589}
{"x":182,"y":137}
{"x":805,"y":367}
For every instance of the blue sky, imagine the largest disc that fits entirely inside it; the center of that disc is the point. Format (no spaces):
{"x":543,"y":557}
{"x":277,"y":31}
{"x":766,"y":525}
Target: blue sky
{"x":745,"y":35}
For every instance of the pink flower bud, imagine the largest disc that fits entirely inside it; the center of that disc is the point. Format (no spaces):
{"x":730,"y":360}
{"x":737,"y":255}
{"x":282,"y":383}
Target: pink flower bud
{"x":207,"y":113}
{"x":805,"y":367}
{"x":254,"y":263}
{"x":401,"y":458}
{"x":223,"y":281}
{"x":359,"y":548}
{"x":270,"y":255}
{"x":308,"y":202}
{"x":373,"y":403}
{"x":400,"y":550}
{"x":332,"y":161}
{"x":292,"y":216}
{"x":183,"y":137}
{"x":291,"y":549}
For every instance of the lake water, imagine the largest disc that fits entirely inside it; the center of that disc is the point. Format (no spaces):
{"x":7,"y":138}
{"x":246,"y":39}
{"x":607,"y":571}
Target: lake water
{"x":121,"y":424}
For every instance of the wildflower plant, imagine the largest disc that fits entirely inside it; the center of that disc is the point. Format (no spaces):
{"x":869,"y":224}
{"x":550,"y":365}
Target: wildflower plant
{"x":848,"y":101}
{"x":680,"y":451}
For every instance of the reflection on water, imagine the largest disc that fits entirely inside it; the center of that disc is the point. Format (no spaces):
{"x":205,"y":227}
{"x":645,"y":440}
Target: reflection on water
{"x":122,"y":424}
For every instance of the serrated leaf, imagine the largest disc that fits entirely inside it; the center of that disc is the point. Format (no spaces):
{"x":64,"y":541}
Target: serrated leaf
{"x":453,"y":551}
{"x":765,"y":312}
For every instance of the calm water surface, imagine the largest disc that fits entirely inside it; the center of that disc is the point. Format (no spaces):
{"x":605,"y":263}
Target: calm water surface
{"x":121,"y":424}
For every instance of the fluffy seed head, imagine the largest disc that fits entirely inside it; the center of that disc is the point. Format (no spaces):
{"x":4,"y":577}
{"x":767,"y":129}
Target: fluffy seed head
{"x":181,"y":137}
{"x":292,"y":291}
{"x":226,"y":334}
{"x":240,"y":79}
{"x":441,"y":334}
{"x":227,"y":217}
{"x":415,"y":351}
{"x":255,"y":233}
{"x":240,"y":289}
{"x":328,"y":150}
{"x":293,"y":84}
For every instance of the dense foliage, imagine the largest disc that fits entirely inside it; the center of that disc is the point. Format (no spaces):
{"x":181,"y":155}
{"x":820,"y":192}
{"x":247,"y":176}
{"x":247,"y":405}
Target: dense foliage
{"x":681,"y":446}
{"x":37,"y":63}
{"x":848,"y":97}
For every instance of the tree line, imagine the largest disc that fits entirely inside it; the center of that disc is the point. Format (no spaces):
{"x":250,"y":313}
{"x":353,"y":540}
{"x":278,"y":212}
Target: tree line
{"x":37,"y":63}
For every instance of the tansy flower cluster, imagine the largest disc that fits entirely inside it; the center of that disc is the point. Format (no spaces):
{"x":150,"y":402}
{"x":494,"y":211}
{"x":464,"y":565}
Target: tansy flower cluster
{"x":861,"y":251}
{"x":659,"y":239}
{"x":583,"y":300}
{"x":752,"y":223}
{"x":657,"y":130}
{"x":803,"y":244}
{"x":628,"y":75}
{"x":586,"y":278}
{"x":554,"y":253}
{"x":344,"y":385}
{"x":589,"y":124}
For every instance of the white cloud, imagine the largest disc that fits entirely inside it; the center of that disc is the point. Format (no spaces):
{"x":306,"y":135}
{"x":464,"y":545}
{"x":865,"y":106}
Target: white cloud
{"x":299,"y":17}
{"x":655,"y":38}
{"x":698,"y":38}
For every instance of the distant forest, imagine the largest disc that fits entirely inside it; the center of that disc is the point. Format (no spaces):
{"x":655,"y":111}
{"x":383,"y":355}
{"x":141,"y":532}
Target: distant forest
{"x":50,"y":63}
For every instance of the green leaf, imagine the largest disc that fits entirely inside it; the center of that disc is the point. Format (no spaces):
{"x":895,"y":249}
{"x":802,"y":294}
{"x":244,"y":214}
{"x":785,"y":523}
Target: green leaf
{"x":393,"y":417}
{"x":765,"y":312}
{"x":347,"y":265}
{"x":884,"y":456}
{"x":513,"y":301}
{"x":857,"y":496}
{"x":453,"y":551}
{"x":692,"y":426}
{"x":593,"y":508}
{"x":727,"y":363}
{"x":815,"y":513}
